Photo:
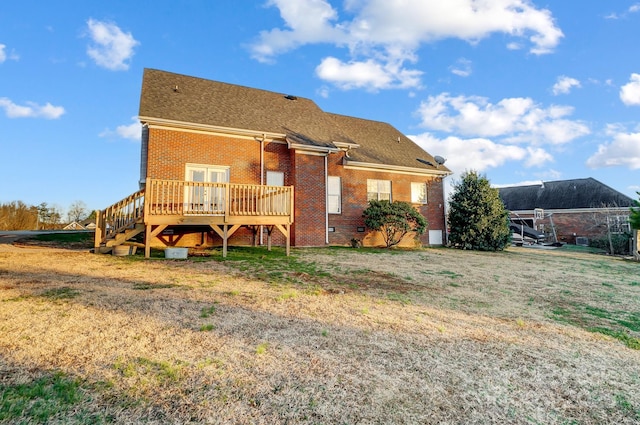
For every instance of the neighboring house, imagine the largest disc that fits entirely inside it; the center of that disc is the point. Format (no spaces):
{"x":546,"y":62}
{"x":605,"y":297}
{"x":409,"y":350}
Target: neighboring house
{"x":222,"y":163}
{"x":570,"y":211}
{"x":74,"y":226}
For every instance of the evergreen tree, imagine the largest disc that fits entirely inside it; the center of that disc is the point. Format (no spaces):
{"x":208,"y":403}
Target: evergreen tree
{"x":477,"y":217}
{"x":634,"y":217}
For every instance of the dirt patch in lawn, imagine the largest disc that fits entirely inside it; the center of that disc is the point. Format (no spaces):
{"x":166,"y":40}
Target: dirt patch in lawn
{"x":324,"y":336}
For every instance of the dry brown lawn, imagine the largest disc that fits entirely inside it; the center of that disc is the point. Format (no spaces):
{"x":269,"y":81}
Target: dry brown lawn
{"x":328,"y":336}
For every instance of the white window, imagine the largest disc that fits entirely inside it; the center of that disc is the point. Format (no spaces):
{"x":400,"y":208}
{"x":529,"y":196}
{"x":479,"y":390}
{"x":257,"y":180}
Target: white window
{"x":418,"y":193}
{"x":275,"y":178}
{"x":379,"y":190}
{"x":334,"y":198}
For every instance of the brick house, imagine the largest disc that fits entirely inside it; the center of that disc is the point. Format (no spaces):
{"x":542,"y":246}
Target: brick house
{"x":570,"y":211}
{"x":226,"y":164}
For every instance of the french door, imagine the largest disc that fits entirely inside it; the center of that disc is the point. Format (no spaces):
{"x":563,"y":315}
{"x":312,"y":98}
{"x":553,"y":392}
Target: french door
{"x":203,"y":198}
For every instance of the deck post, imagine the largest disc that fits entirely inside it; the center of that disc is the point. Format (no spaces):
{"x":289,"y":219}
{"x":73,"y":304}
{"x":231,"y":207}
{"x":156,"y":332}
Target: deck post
{"x":97,"y":238}
{"x":225,"y":236}
{"x":288,"y":227}
{"x":147,"y":241}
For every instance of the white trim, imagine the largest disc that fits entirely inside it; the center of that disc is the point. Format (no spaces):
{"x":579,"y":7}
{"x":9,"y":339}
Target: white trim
{"x":306,"y":152}
{"x":191,"y":164}
{"x":191,"y":127}
{"x":343,"y":145}
{"x":310,"y":148}
{"x":396,"y":169}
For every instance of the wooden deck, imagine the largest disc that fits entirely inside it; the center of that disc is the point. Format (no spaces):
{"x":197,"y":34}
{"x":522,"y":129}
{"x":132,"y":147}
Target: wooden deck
{"x":225,"y":207}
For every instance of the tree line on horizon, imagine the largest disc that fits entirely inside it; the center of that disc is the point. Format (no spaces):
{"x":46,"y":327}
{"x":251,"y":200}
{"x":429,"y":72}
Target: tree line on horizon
{"x":16,"y":215}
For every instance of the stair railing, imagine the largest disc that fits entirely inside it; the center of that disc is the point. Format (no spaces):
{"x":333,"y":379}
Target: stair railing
{"x":119,"y":216}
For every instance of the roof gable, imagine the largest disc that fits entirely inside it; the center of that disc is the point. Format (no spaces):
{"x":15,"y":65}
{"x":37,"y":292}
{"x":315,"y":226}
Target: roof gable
{"x":195,"y":100}
{"x":381,"y":143}
{"x":186,"y":99}
{"x":563,"y":194}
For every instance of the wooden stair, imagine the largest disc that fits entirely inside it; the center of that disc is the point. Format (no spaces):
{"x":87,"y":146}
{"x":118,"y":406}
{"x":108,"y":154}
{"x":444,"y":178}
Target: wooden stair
{"x":119,"y":223}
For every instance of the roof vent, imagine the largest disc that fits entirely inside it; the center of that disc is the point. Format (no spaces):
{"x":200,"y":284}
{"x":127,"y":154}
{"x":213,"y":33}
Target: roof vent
{"x":290,"y":97}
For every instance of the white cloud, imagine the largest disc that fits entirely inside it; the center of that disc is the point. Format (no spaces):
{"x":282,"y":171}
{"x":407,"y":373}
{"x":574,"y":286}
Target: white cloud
{"x":462,"y":68}
{"x":564,"y":85}
{"x":370,"y":74}
{"x":30,"y":110}
{"x":111,"y":48}
{"x":470,"y":154}
{"x":308,"y":21}
{"x":622,"y":151}
{"x":382,"y":35}
{"x":537,"y":157}
{"x":131,"y":131}
{"x":630,"y":92}
{"x":635,"y":8}
{"x":323,"y":92}
{"x":4,"y":55}
{"x":517,"y":120}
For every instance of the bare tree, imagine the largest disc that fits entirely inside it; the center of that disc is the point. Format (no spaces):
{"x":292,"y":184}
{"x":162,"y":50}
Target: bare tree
{"x":77,"y":211}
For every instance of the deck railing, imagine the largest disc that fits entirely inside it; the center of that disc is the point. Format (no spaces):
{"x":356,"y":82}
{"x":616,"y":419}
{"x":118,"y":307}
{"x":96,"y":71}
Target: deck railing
{"x":120,"y":216}
{"x":184,"y":198}
{"x":175,"y":197}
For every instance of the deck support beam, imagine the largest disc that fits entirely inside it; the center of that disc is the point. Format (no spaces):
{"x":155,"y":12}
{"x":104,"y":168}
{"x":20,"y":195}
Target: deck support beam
{"x":149,"y":234}
{"x":225,"y":233}
{"x":286,"y":231}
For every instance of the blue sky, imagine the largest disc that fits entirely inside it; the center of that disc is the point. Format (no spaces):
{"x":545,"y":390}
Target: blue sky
{"x":521,"y":91}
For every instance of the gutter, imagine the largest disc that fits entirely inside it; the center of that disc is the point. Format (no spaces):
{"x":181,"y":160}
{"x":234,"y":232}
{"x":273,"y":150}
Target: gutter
{"x":394,"y":168}
{"x":151,"y":121}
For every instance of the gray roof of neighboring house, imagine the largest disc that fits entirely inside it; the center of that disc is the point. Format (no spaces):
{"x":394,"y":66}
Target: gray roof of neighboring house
{"x":563,"y":194}
{"x":188,"y":99}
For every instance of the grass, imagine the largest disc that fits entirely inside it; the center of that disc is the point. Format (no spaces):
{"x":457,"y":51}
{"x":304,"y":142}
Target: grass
{"x":145,"y":286}
{"x":63,"y":293}
{"x":39,"y":400}
{"x":67,"y":238}
{"x":621,"y":325}
{"x":335,"y":335}
{"x":207,"y":311}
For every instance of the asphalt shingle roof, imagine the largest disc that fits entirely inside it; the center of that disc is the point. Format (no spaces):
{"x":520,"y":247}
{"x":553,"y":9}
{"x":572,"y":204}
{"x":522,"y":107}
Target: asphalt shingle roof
{"x":188,"y":99}
{"x":563,"y":194}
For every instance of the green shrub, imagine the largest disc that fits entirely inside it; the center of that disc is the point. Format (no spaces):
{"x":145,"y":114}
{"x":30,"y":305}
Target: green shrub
{"x":394,"y":220}
{"x":620,"y":243}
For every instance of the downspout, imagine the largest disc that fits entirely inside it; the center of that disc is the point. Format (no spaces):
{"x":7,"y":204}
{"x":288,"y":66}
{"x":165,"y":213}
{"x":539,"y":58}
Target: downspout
{"x":264,"y":136}
{"x":326,"y":200}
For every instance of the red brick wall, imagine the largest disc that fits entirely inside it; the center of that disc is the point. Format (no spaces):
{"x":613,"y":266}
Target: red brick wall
{"x":169,"y":151}
{"x":308,"y":174}
{"x":354,"y":201}
{"x":568,"y":226}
